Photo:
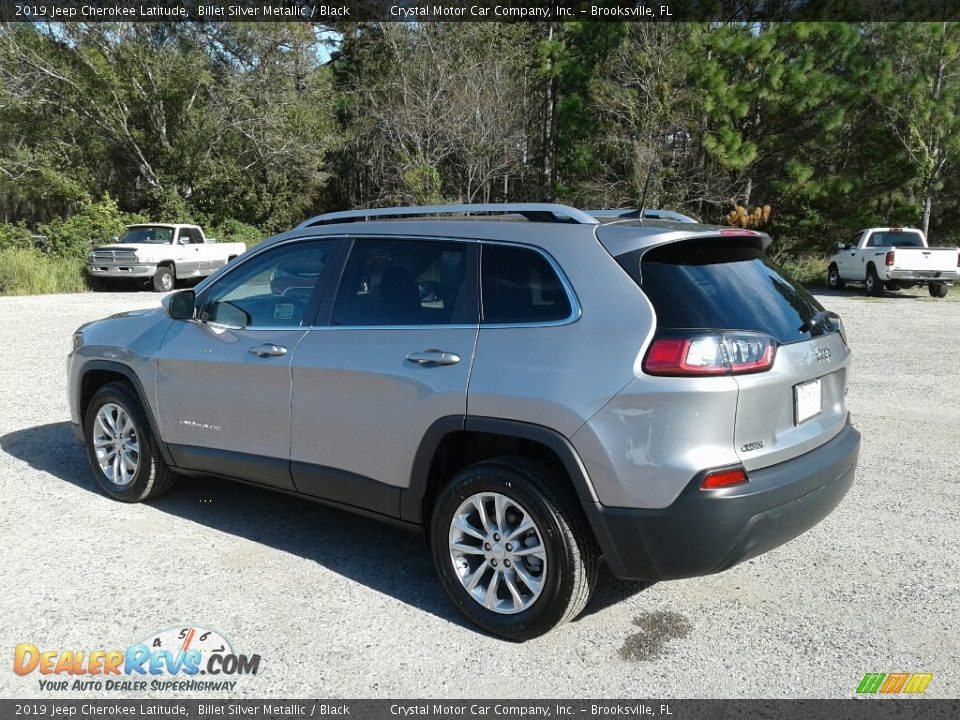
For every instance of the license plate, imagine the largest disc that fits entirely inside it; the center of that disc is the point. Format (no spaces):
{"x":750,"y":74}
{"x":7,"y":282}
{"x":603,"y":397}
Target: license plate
{"x":807,"y":400}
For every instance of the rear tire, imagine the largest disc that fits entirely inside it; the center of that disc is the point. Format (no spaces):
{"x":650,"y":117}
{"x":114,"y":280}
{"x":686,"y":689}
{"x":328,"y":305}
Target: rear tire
{"x":164,"y":279}
{"x":871,"y":282}
{"x":938,"y":290}
{"x":557,"y":555}
{"x":122,"y":451}
{"x":833,"y":278}
{"x":97,"y":284}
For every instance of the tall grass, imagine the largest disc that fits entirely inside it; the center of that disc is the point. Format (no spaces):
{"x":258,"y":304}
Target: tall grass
{"x":810,"y":270}
{"x":25,"y":271}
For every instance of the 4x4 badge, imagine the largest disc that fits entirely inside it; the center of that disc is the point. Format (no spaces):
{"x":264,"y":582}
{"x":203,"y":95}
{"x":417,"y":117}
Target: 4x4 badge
{"x":821,"y":354}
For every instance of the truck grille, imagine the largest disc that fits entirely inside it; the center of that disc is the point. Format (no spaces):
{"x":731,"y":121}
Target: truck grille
{"x":111,"y":256}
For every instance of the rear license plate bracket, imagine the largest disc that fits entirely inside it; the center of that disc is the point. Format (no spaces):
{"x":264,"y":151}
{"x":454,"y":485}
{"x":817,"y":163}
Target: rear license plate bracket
{"x":807,"y":400}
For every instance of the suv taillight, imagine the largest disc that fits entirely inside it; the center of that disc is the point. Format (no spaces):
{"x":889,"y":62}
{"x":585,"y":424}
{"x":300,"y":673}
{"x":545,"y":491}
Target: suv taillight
{"x":710,"y":354}
{"x":889,"y":260}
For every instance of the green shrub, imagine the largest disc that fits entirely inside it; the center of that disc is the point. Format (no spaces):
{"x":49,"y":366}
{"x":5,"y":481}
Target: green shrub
{"x":809,"y":270}
{"x":25,"y":271}
{"x":94,"y":224}
{"x":15,"y":236}
{"x":236,"y":231}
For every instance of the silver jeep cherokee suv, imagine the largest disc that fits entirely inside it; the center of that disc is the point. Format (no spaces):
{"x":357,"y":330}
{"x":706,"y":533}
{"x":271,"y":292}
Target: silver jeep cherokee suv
{"x":540,"y":391}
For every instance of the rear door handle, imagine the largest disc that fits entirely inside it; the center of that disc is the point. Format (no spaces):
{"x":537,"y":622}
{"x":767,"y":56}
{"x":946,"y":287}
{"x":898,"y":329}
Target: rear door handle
{"x":268,"y":350}
{"x":433,"y":357}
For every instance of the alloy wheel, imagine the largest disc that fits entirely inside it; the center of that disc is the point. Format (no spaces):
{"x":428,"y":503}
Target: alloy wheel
{"x":116,"y":444}
{"x":498,"y":553}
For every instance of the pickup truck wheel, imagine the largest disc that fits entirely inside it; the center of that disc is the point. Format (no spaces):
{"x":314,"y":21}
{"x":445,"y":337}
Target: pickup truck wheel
{"x":96,"y":284}
{"x":163,"y":281}
{"x":938,"y":290}
{"x":512,"y":547}
{"x":122,"y":451}
{"x":872,"y":283}
{"x":833,"y":278}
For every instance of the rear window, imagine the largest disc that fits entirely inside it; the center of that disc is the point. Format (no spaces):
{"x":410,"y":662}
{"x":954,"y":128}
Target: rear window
{"x":711,"y":285}
{"x":900,"y":238}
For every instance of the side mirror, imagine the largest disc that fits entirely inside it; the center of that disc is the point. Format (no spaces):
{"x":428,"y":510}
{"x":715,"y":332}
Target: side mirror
{"x":841,"y":246}
{"x":180,"y":305}
{"x":116,"y":238}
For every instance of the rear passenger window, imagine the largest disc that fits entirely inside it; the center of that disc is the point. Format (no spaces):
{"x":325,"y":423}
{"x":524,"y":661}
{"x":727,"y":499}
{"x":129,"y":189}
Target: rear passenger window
{"x":406,"y":282}
{"x":519,"y":286}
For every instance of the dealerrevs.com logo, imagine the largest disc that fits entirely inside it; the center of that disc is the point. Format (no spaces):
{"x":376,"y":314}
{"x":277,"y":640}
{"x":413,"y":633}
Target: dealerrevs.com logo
{"x":179,"y":659}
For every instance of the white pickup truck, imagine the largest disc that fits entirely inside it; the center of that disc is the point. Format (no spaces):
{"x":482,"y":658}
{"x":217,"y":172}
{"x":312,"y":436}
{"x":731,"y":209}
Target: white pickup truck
{"x":893,"y":259}
{"x":159,"y":253}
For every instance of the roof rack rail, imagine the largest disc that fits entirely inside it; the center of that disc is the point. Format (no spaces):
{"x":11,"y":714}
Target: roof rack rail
{"x":648,"y":214}
{"x":534,"y":212}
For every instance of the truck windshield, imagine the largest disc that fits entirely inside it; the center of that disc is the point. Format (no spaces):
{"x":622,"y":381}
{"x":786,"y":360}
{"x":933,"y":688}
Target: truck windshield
{"x":900,"y":238}
{"x":151,"y":234}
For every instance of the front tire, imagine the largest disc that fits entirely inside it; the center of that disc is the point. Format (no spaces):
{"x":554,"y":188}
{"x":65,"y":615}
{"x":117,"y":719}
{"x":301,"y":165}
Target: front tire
{"x":833,"y":278}
{"x":871,"y":283}
{"x":938,"y":290}
{"x":122,"y":451}
{"x":512,"y":547}
{"x":164,"y":279}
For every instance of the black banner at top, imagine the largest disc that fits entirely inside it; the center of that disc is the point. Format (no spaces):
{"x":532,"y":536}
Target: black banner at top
{"x":339,"y":11}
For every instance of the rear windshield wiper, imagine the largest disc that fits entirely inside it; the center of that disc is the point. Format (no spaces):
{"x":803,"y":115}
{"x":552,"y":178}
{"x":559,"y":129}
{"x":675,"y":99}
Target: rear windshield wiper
{"x":817,"y":319}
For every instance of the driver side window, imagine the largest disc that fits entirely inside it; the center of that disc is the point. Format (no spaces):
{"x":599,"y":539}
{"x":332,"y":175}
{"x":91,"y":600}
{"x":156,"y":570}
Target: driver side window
{"x":273,"y":289}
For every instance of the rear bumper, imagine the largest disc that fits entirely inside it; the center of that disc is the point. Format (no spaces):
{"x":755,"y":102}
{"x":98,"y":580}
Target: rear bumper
{"x":918,"y":276}
{"x":704,"y":532}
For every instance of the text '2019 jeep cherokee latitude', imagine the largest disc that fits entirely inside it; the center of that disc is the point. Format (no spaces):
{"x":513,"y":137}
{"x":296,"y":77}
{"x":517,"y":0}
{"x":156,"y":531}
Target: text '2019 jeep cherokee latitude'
{"x":539,"y":390}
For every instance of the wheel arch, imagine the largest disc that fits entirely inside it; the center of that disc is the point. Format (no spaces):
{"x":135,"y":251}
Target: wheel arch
{"x":454,"y":442}
{"x":96,"y":374}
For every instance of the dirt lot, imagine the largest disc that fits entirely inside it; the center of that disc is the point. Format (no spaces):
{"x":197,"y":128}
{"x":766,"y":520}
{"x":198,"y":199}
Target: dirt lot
{"x":337,"y":606}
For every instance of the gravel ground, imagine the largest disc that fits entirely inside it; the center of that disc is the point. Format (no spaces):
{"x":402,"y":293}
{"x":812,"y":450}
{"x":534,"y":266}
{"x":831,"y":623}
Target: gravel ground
{"x":338,"y":606}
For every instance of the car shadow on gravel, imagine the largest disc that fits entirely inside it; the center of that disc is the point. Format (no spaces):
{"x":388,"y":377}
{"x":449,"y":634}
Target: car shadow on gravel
{"x":390,"y":560}
{"x":387,"y":559}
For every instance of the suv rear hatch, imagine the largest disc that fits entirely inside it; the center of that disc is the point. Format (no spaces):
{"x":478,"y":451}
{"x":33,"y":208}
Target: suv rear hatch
{"x":723,"y":308}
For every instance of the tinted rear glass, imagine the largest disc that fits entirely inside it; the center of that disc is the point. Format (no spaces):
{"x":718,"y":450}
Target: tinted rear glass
{"x":519,"y":286}
{"x":716,"y":285}
{"x":900,"y":238}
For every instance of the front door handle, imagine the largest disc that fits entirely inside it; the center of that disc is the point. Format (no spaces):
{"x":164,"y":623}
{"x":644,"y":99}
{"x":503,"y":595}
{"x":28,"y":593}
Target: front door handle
{"x":268,"y":350}
{"x":433,"y":357}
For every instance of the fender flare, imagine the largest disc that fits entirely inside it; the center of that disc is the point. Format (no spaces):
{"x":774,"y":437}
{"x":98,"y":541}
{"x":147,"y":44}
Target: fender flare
{"x":411,"y":501}
{"x":134,"y":380}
